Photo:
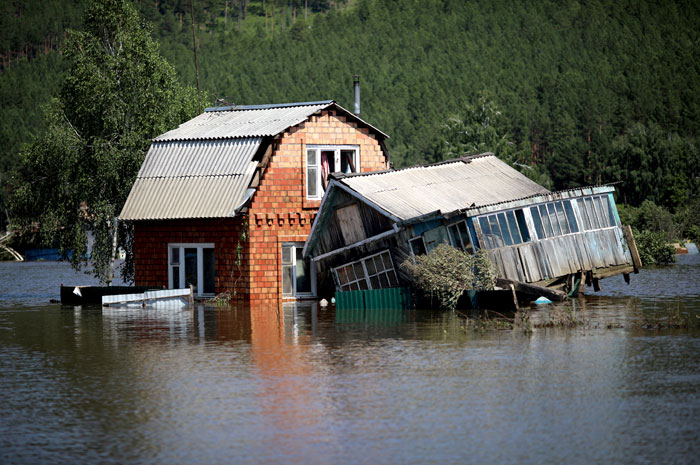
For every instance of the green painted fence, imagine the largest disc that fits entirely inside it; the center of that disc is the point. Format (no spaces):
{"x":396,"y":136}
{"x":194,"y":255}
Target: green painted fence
{"x":397,"y":298}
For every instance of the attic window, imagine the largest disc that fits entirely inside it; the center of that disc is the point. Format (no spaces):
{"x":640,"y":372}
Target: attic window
{"x":321,"y":160}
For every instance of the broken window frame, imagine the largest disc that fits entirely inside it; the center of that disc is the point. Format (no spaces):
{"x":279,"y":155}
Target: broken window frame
{"x":368,"y":267}
{"x":454,"y":233}
{"x":417,"y":240}
{"x":314,"y":171}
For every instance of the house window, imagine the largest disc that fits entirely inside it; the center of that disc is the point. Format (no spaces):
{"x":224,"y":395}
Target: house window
{"x":417,"y":246}
{"x":298,"y":276}
{"x":192,"y":265}
{"x":459,"y":237}
{"x":503,"y":229}
{"x":554,"y":219}
{"x":322,"y":160}
{"x":373,"y":272}
{"x":596,"y":212}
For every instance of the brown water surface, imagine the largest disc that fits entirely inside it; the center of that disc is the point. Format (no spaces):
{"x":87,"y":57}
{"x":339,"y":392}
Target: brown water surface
{"x":300,"y":384}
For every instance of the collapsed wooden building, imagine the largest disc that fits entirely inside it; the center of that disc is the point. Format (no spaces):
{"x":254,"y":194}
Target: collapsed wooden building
{"x":369,"y":223}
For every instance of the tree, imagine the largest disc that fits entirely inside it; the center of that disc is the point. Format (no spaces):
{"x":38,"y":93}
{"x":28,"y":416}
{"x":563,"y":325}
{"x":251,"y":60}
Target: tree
{"x":74,"y":179}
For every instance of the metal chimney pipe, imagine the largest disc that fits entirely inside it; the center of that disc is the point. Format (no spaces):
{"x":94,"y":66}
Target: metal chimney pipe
{"x":356,"y":92}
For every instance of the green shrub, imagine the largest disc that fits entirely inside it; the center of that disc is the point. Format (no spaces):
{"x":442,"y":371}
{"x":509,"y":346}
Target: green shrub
{"x":446,"y":272}
{"x":653,"y":248}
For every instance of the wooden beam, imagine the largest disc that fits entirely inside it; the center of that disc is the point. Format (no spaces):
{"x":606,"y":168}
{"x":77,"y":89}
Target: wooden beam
{"x":600,"y":273}
{"x":632,"y":245}
{"x":531,"y":289}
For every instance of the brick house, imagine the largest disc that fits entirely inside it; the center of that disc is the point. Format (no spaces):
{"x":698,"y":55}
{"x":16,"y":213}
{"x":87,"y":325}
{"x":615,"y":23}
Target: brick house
{"x":226,"y":201}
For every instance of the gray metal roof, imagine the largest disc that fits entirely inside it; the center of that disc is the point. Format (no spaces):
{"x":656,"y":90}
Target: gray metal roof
{"x":251,"y":121}
{"x":449,"y":186}
{"x":233,"y":122}
{"x":203,"y":179}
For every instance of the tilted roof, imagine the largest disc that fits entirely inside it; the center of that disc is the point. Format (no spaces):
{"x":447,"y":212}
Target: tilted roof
{"x":446,"y":187}
{"x":204,"y":168}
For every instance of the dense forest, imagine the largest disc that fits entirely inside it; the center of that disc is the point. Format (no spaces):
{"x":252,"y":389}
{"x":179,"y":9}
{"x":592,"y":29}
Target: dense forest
{"x":583,"y":92}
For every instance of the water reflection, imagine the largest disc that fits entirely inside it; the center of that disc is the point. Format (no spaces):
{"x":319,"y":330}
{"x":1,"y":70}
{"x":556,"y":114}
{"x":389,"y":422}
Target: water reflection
{"x":303,"y":383}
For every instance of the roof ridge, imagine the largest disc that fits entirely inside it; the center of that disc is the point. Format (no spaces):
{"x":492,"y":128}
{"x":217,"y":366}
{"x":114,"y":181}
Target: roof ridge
{"x":268,"y":106}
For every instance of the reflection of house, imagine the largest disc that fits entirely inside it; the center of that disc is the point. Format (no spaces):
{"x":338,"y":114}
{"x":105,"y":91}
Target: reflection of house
{"x":225,"y":201}
{"x":370,"y":223}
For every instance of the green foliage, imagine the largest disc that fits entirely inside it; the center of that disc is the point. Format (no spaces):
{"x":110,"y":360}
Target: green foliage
{"x":588,"y":92}
{"x":446,"y":272}
{"x":118,"y":94}
{"x":653,"y":248}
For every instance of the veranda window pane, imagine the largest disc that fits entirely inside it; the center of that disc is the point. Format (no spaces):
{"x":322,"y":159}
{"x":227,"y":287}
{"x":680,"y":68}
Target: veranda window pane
{"x":611,"y":215}
{"x":342,"y":276}
{"x":175,"y":256}
{"x":584,"y":214}
{"x":595,"y":224}
{"x":538,"y":222}
{"x":504,"y":228}
{"x":522,"y":225}
{"x":371,"y":269}
{"x":383,"y":281}
{"x":363,"y":284}
{"x":513,"y":226}
{"x":570,"y":216}
{"x":393,"y":282}
{"x":545,"y":221}
{"x":486,"y":231}
{"x":387,"y":261}
{"x":374,"y":280}
{"x":359,"y":271}
{"x":495,"y":231}
{"x":208,"y":273}
{"x":553,"y":219}
{"x":602,"y":214}
{"x":562,"y":218}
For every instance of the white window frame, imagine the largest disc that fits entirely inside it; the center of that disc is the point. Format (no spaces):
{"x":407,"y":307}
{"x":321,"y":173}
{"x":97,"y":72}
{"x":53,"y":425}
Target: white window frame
{"x":312,"y":269}
{"x":200,"y":264}
{"x":367,"y":276}
{"x":336,"y":149}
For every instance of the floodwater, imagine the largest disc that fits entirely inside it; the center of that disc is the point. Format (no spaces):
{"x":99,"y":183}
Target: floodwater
{"x":286,"y":385}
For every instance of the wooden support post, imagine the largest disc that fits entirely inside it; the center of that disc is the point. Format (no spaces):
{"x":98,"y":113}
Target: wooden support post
{"x":515,"y":298}
{"x":627,"y":277}
{"x":632,"y":245}
{"x":596,"y":284}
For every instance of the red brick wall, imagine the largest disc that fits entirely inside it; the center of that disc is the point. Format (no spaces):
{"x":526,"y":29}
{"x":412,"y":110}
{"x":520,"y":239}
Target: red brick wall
{"x":151,"y":239}
{"x":279,"y":211}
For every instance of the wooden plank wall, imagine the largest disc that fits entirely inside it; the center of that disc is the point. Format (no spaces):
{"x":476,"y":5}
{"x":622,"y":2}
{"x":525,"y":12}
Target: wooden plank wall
{"x":558,"y":256}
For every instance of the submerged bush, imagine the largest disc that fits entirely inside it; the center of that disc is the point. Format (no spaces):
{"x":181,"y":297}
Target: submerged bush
{"x":653,"y":248}
{"x":446,"y":272}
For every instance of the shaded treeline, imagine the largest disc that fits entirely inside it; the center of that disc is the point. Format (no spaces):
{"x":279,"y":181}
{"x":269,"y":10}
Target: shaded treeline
{"x":591,"y":91}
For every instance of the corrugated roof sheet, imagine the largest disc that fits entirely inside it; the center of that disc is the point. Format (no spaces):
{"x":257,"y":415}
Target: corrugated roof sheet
{"x":199,"y":158}
{"x":234,"y":122}
{"x":202,"y":179}
{"x":450,"y":186}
